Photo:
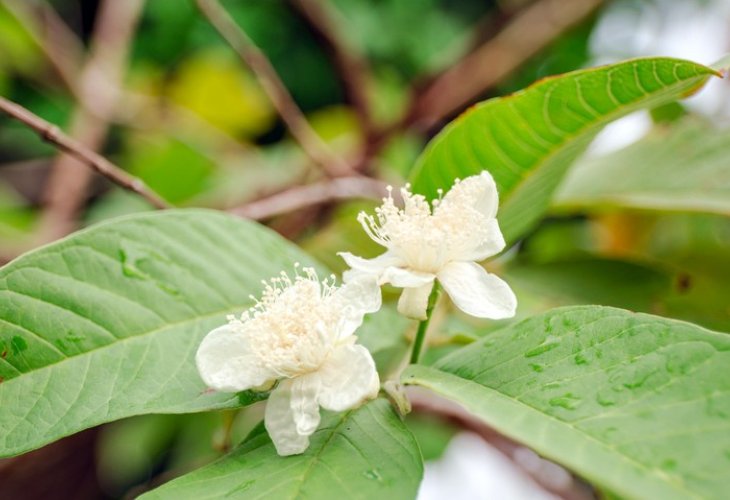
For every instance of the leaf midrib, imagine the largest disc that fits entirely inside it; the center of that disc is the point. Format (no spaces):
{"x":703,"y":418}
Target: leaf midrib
{"x":508,"y":194}
{"x":130,"y":338}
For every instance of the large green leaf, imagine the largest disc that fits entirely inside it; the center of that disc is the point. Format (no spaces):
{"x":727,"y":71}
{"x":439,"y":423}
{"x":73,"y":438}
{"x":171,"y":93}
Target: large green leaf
{"x":527,"y":140}
{"x":104,"y":324}
{"x":359,"y":454}
{"x":683,"y":167}
{"x":635,"y":403}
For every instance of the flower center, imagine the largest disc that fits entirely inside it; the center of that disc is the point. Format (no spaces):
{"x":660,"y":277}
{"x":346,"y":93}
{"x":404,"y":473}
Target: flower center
{"x":296,"y":324}
{"x":426,"y":241}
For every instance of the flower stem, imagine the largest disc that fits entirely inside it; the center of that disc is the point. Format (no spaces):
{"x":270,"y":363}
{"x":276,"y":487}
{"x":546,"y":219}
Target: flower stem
{"x":423,"y":325}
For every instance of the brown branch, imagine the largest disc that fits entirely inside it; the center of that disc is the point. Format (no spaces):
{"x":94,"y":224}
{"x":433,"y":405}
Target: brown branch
{"x":526,"y":35}
{"x":97,"y":93}
{"x":341,"y":188}
{"x":53,"y":135}
{"x":351,"y":66}
{"x":311,"y":143}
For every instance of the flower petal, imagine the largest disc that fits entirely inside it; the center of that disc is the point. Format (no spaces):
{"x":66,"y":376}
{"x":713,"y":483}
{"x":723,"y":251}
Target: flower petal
{"x":477,"y":191}
{"x":476,"y":292}
{"x":280,"y":423}
{"x":348,"y":378}
{"x":304,"y":393}
{"x":405,"y":278}
{"x":492,"y":244}
{"x":227,"y":363}
{"x":357,"y":297}
{"x":374,"y":266}
{"x":414,"y":301}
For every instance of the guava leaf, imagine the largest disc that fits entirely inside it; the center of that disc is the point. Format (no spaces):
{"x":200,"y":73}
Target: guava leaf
{"x":637,"y":404}
{"x":105,"y":324}
{"x":528,"y":140}
{"x":358,"y":454}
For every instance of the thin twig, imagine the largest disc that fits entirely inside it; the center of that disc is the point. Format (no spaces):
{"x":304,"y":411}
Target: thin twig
{"x":351,"y":66}
{"x":311,"y":143}
{"x":341,"y":188}
{"x":530,"y":32}
{"x":53,"y":135}
{"x":97,"y":95}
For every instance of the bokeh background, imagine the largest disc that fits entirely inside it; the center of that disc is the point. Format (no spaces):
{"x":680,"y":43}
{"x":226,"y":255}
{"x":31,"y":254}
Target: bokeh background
{"x":154,"y":88}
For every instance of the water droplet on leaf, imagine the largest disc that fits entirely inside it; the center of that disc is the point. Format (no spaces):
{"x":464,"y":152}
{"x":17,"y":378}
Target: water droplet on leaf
{"x":373,"y":474}
{"x":567,"y":401}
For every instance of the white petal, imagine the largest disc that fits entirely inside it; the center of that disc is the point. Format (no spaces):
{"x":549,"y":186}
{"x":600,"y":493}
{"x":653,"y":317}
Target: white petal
{"x":374,"y":266}
{"x":362,"y":294}
{"x":405,"y":278}
{"x":357,"y":297}
{"x":227,"y":363}
{"x":413,"y":301}
{"x":304,"y":393}
{"x":476,"y":292}
{"x":478,"y":191}
{"x":348,"y":378}
{"x":491,"y":245}
{"x":280,"y":424}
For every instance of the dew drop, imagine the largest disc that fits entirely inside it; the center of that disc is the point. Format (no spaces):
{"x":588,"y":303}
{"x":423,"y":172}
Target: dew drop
{"x":72,"y":337}
{"x":18,"y":345}
{"x":373,"y":474}
{"x":567,"y":401}
{"x":549,"y":344}
{"x":606,"y":398}
{"x":132,"y":258}
{"x":243,"y":487}
{"x":129,"y":267}
{"x":580,"y":359}
{"x":669,"y":464}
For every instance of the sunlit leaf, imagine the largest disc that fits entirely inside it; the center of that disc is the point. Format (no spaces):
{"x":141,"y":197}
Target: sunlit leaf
{"x":528,"y":140}
{"x":104,"y":324}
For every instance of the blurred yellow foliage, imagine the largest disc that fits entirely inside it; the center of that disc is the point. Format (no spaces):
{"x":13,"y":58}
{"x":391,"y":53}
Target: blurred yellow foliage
{"x":219,"y":89}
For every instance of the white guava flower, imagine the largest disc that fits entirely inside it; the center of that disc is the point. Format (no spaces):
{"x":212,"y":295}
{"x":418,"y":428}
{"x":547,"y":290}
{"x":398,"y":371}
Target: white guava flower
{"x":301,"y":334}
{"x":444,"y":243}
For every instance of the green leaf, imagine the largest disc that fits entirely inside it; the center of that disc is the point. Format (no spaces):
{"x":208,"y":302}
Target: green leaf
{"x":358,"y":454}
{"x":635,"y":403}
{"x":105,"y":324}
{"x":528,"y":140}
{"x":682,"y":168}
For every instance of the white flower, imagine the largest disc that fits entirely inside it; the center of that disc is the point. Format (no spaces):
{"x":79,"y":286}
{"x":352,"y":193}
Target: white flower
{"x":301,"y":333}
{"x":444,"y":244}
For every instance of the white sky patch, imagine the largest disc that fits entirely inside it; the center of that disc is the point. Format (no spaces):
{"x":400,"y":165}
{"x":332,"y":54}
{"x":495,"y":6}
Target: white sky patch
{"x":620,"y":133}
{"x":696,"y":30}
{"x":470,"y":469}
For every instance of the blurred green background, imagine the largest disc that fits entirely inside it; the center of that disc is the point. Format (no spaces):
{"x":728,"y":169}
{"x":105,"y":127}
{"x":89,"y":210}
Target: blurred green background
{"x":172,"y":103}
